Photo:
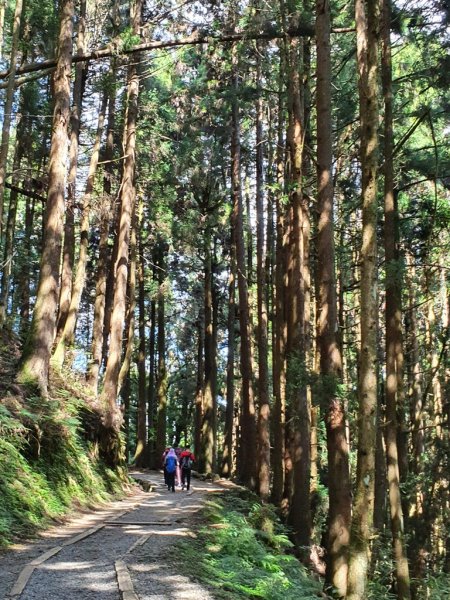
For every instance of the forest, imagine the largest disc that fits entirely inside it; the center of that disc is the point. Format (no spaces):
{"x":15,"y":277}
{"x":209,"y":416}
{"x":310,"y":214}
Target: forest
{"x":227,"y":224}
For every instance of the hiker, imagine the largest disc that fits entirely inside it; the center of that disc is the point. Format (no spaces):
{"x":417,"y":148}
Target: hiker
{"x":186,"y":461}
{"x":165,"y":453}
{"x":170,"y":466}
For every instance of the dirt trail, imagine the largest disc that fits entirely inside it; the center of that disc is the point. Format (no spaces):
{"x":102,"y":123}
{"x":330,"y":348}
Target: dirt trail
{"x":110,"y":554}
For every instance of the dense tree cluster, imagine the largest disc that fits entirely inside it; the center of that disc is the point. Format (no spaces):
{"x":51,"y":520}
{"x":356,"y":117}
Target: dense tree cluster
{"x":231,"y":220}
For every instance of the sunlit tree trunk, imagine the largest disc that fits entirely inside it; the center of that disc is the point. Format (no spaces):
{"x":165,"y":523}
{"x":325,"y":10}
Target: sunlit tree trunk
{"x":36,"y":355}
{"x":339,"y":489}
{"x":7,"y":110}
{"x":298,"y":281}
{"x":279,"y":355}
{"x":65,"y":294}
{"x":162,"y":379}
{"x":68,"y":332}
{"x":247,"y":470}
{"x":367,"y":23}
{"x":151,"y":384}
{"x":227,"y":458}
{"x":393,"y":315}
{"x":141,"y":456}
{"x":262,"y":325}
{"x":103,"y":250}
{"x":209,"y":391}
{"x":111,"y":383}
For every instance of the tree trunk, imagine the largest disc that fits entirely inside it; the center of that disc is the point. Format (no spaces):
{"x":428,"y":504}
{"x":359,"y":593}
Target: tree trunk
{"x":151,"y":385}
{"x":7,"y":110}
{"x":367,"y":21}
{"x":279,"y":358}
{"x":393,"y":315}
{"x":161,"y":390}
{"x":209,"y":391}
{"x":65,"y":294}
{"x":198,"y":419}
{"x":68,"y":332}
{"x":140,"y":456}
{"x":247,"y":470}
{"x":262,"y":326}
{"x":36,"y":356}
{"x":298,"y":277}
{"x":227,"y":459}
{"x":111,"y":382}
{"x":339,"y":488}
{"x":11,"y":226}
{"x":103,"y":250}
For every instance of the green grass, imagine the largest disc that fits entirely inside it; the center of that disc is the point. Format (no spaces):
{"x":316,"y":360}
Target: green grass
{"x":46,"y":467}
{"x":242,"y":552}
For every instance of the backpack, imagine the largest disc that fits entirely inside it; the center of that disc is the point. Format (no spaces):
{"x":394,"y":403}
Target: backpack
{"x":171,"y":464}
{"x":186,"y":462}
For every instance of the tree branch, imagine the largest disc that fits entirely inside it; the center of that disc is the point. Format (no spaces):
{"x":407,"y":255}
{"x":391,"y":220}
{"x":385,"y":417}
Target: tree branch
{"x":113,"y":49}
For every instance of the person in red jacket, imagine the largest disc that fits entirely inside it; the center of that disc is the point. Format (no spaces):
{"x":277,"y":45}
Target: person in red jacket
{"x":186,"y":461}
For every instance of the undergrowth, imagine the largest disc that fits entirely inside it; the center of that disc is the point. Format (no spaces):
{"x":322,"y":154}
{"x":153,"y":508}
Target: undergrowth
{"x":242,"y":552}
{"x":47,"y":465}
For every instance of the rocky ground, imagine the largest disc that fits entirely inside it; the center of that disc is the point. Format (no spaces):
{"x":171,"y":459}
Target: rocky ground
{"x":113,"y":553}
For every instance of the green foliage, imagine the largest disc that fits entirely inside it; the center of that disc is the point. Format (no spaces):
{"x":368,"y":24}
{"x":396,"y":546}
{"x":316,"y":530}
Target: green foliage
{"x":242,"y":553}
{"x":45,"y":466}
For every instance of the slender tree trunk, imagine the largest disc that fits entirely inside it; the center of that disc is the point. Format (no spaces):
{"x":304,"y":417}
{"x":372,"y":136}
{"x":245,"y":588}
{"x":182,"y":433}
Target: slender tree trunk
{"x":227,"y":459}
{"x":36,"y":356}
{"x":103,"y":250}
{"x":339,"y":488}
{"x":367,"y":22}
{"x":111,"y":382}
{"x":279,"y":358}
{"x":200,"y":386}
{"x":247,"y":470}
{"x":161,"y":390}
{"x":7,"y":111}
{"x":299,"y":508}
{"x":2,"y":24}
{"x":393,"y":315}
{"x":24,"y":277}
{"x":140,"y":456}
{"x":67,"y":334}
{"x":262,"y":326}
{"x":209,"y":392}
{"x":10,"y":227}
{"x":65,"y":294}
{"x":151,"y":385}
{"x":128,"y":342}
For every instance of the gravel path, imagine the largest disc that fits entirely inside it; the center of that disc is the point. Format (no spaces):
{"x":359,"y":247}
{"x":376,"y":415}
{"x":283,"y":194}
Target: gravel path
{"x":119,"y":555}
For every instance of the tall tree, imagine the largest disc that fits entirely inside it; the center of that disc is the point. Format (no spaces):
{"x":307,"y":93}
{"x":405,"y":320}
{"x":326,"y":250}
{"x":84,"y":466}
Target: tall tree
{"x":7,"y":112}
{"x":128,"y":191}
{"x":367,"y":33}
{"x":36,"y":355}
{"x":393,"y":315}
{"x":339,"y":488}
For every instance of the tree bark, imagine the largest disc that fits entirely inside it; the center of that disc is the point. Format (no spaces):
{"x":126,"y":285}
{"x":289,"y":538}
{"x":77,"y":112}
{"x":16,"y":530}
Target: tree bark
{"x":140,"y":456}
{"x":65,"y":294}
{"x":7,"y":110}
{"x":103,"y":250}
{"x":262,"y":326}
{"x":161,"y":390}
{"x":393,"y":316}
{"x":339,"y":488}
{"x":280,"y":326}
{"x":36,"y":356}
{"x":200,"y":385}
{"x":367,"y":22}
{"x":247,"y":470}
{"x":209,"y":384}
{"x":111,"y":382}
{"x":68,"y":332}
